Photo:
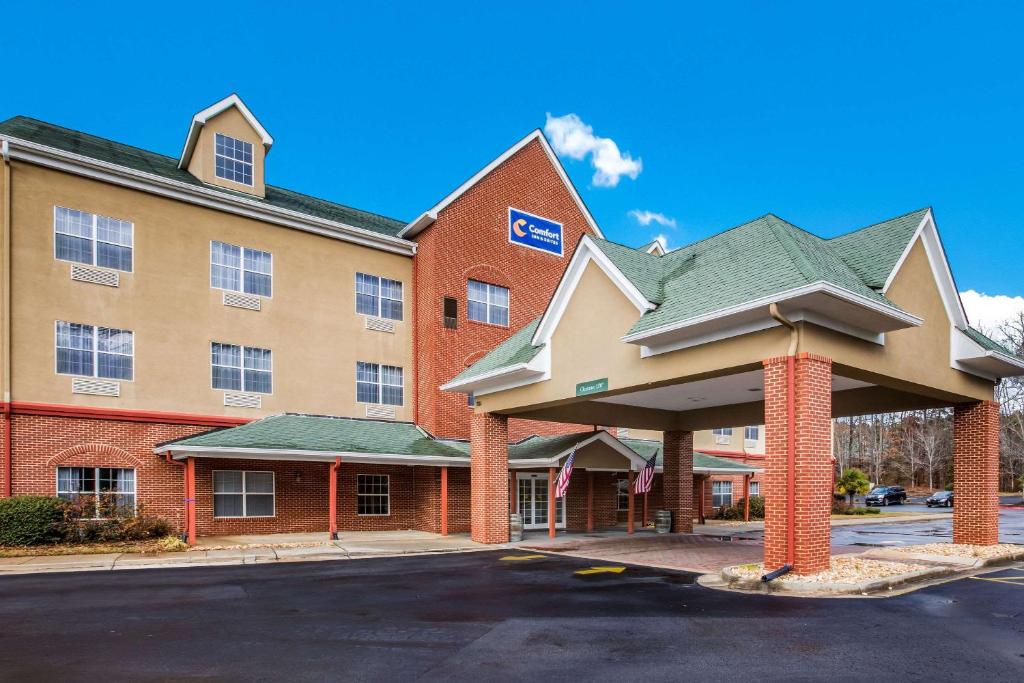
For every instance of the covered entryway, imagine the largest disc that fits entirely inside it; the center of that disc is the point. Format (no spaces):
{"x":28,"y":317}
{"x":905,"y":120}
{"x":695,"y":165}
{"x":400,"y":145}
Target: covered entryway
{"x":532,"y":501}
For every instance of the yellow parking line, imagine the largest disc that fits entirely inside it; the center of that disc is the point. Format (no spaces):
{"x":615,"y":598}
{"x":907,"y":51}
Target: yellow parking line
{"x":600,"y":570}
{"x":516,"y":558}
{"x":1012,"y":580}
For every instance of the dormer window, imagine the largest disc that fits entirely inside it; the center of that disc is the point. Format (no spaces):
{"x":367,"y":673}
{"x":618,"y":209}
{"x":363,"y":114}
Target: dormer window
{"x":233,"y":159}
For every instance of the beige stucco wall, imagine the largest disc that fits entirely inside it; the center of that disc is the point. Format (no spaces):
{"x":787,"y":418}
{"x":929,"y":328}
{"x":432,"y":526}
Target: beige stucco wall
{"x":229,"y":122}
{"x":310,"y":323}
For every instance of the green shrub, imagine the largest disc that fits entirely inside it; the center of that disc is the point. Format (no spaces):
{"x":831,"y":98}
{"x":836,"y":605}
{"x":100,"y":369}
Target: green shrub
{"x":844,"y":508}
{"x":116,"y":525}
{"x":736,"y":511}
{"x":31,"y":520}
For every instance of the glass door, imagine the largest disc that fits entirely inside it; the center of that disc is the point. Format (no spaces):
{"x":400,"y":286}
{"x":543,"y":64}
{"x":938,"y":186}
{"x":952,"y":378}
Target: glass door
{"x":533,"y":502}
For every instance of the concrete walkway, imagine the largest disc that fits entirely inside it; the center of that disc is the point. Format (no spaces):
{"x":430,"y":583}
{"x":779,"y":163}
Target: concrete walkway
{"x":234,"y":550}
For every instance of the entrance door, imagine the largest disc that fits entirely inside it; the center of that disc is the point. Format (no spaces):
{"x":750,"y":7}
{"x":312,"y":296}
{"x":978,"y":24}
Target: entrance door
{"x":533,"y":502}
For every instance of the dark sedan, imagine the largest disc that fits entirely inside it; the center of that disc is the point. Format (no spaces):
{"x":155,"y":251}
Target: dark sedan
{"x":886,"y":495}
{"x":940,"y":499}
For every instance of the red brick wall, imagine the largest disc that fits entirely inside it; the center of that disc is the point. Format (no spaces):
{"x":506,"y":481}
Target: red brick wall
{"x":469,"y":240}
{"x":489,"y":486}
{"x":976,"y":473}
{"x":813,"y":490}
{"x":678,"y":479}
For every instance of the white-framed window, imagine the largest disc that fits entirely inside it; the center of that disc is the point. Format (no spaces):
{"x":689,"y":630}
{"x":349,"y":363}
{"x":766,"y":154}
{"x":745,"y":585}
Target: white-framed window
{"x":241,"y":269}
{"x":723,"y":435}
{"x":89,"y":351}
{"x":238,"y":493}
{"x":111,"y":489}
{"x":94,"y":240}
{"x":487,"y":303}
{"x":755,"y":488}
{"x":377,"y":383}
{"x":373,"y":495}
{"x":751,"y":436}
{"x":241,"y":368}
{"x":622,"y":495}
{"x":378,"y":296}
{"x":721,"y":494}
{"x":232,"y":159}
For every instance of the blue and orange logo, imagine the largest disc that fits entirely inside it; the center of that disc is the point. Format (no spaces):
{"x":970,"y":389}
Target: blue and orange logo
{"x":534,"y":232}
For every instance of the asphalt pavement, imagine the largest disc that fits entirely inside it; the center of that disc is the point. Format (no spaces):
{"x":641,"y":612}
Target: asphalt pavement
{"x":478,"y":616}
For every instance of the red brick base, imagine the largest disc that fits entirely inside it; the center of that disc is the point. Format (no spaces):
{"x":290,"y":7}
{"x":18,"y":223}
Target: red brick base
{"x":813,"y":465}
{"x":677,"y":479}
{"x":489,"y":506}
{"x":976,"y":473}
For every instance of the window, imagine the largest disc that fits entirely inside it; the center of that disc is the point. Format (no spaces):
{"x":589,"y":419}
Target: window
{"x":110,"y":489}
{"x":451,"y":312}
{"x":622,"y":494}
{"x":373,"y":494}
{"x":378,"y":296}
{"x":755,"y":488}
{"x":241,"y":368}
{"x":90,"y":351}
{"x":379,"y":384}
{"x":233,"y":159}
{"x":93,"y":240}
{"x":750,"y":436}
{"x":488,"y":303}
{"x":243,"y":494}
{"x":240,"y":269}
{"x":721,"y":494}
{"x":723,"y":435}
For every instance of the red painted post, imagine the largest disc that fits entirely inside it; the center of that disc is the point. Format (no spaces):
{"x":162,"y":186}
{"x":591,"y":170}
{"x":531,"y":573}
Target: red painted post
{"x":590,"y":502}
{"x":631,"y":509}
{"x":700,"y":503}
{"x":332,"y":498}
{"x":190,"y":498}
{"x":644,"y":526}
{"x":746,"y":497}
{"x":444,"y":501}
{"x":513,"y":493}
{"x":551,"y":502}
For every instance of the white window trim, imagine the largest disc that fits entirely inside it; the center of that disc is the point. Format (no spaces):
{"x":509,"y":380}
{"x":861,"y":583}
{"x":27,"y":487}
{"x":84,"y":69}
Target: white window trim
{"x":244,"y":493}
{"x":747,"y":441}
{"x":215,"y":155}
{"x":620,"y":494}
{"x":241,"y":270}
{"x":244,"y":389}
{"x":723,"y":435}
{"x":387,"y":496}
{"x":380,"y":384}
{"x":752,"y":485}
{"x":355,"y":296}
{"x":721,"y":495}
{"x":96,"y":478}
{"x":95,"y":352}
{"x":93,"y":239}
{"x":508,"y":309}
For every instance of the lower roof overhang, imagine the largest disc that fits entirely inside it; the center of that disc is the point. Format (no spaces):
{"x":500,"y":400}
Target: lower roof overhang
{"x":181,"y":453}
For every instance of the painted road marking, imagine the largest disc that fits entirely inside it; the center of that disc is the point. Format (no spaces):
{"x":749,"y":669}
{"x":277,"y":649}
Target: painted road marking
{"x":1012,"y":580}
{"x":516,"y":558}
{"x":600,"y":570}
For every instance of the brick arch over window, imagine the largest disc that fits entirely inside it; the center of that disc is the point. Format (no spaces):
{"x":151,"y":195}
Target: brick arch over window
{"x":490,"y":275}
{"x":95,"y":455}
{"x":473,"y":357}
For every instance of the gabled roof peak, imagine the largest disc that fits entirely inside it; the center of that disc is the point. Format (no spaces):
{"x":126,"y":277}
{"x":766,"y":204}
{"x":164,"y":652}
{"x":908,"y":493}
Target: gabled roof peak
{"x":200,"y":119}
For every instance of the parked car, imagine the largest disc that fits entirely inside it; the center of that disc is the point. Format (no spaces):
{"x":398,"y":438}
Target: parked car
{"x":942,"y":499}
{"x":886,"y":495}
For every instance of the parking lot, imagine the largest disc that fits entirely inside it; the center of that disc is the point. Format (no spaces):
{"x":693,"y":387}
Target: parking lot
{"x":486,"y":616}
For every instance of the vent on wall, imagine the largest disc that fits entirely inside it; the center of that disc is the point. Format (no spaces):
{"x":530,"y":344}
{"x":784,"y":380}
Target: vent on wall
{"x":243,"y":400}
{"x":242,"y":301}
{"x":381,"y":412}
{"x":380,"y":324}
{"x":96,"y":276}
{"x":95,"y":387}
{"x":451,"y":313}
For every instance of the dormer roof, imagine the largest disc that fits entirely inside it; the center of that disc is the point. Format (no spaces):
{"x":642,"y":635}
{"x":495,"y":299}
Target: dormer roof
{"x":200,"y":119}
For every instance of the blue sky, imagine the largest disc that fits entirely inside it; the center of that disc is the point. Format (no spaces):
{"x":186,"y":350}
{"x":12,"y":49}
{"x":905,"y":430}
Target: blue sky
{"x":832,"y":117}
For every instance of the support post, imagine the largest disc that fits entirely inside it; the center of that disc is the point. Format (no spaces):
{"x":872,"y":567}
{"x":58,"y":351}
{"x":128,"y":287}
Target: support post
{"x":630,"y":509}
{"x":513,"y":493}
{"x":590,"y":502}
{"x":644,"y":525}
{"x":551,"y":501}
{"x":444,"y":501}
{"x":700,"y":503}
{"x":332,"y":498}
{"x":489,"y":488}
{"x":677,"y":479}
{"x":976,"y":473}
{"x":746,"y":497}
{"x":190,"y":499}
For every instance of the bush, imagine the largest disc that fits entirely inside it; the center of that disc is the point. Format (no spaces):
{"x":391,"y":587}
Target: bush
{"x":31,"y":520}
{"x":844,"y":508}
{"x":116,"y":525}
{"x":736,"y":511}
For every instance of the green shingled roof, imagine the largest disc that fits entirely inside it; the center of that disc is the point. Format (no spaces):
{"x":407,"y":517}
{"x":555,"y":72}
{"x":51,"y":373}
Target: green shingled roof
{"x":988,"y":343}
{"x":516,"y":349}
{"x":872,"y":252}
{"x":646,"y":448}
{"x":101,"y":149}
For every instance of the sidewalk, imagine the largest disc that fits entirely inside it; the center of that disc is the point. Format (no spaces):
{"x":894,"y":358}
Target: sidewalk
{"x":236,"y":550}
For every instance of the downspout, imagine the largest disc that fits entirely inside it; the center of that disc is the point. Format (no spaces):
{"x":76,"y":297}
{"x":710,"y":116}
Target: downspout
{"x":184,"y":479}
{"x":5,"y":323}
{"x":794,"y":338}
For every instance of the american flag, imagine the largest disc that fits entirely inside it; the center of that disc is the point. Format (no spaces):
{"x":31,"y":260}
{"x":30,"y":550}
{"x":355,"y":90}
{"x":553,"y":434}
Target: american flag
{"x":562,"y":482}
{"x":646,"y":477}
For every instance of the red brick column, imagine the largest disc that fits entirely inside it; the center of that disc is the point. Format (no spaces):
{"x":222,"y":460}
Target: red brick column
{"x":812,"y":381}
{"x":678,"y":479}
{"x":489,"y":478}
{"x":976,"y":473}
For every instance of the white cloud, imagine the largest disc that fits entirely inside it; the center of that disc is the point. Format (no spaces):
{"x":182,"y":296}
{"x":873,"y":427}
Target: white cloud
{"x":648,"y":217}
{"x":990,"y":311}
{"x":572,"y":138}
